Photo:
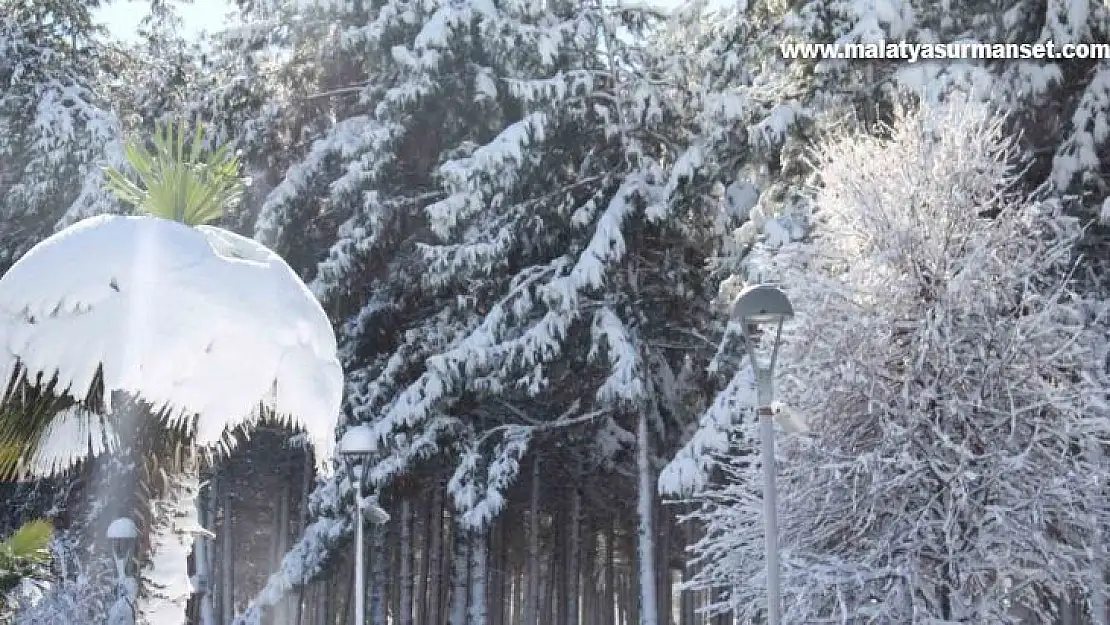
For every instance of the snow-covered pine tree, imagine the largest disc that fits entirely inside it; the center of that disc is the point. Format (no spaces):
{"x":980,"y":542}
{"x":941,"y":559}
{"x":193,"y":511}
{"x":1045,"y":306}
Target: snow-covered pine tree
{"x":56,"y":129}
{"x":951,"y":379}
{"x":523,"y":167}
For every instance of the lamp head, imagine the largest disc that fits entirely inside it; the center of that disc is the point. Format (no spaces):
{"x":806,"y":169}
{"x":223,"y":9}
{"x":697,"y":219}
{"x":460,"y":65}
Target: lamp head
{"x":767,"y":306}
{"x":762,"y":304}
{"x":357,"y":447}
{"x":123,"y":534}
{"x":357,"y":443}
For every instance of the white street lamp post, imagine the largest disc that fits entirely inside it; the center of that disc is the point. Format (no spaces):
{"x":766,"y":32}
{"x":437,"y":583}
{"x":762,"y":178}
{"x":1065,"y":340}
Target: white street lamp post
{"x":765,"y":305}
{"x":123,"y":535}
{"x":357,"y":447}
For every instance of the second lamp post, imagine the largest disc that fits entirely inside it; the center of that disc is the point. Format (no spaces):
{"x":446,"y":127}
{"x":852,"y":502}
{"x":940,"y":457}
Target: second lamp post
{"x":766,"y":306}
{"x":357,"y":448}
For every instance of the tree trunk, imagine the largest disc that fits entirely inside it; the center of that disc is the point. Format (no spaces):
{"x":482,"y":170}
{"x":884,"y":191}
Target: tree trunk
{"x":589,"y":608}
{"x":227,"y":568}
{"x":559,"y":541}
{"x":280,"y":544}
{"x":501,"y":579}
{"x":323,"y":600}
{"x":447,"y":573}
{"x":644,"y":509}
{"x":460,"y":572}
{"x":435,"y":558}
{"x":573,"y":550}
{"x":380,"y":560}
{"x":550,"y":574}
{"x":532,"y":594}
{"x":203,"y":561}
{"x":687,"y":598}
{"x":663,"y":565}
{"x":421,"y":533}
{"x":348,"y":603}
{"x":608,"y":597}
{"x":165,"y":577}
{"x":405,"y":612}
{"x":541,"y":593}
{"x":302,"y":523}
{"x":478,"y":549}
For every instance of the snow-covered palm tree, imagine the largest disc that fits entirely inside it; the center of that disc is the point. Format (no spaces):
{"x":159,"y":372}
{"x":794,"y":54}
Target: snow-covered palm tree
{"x":162,"y":334}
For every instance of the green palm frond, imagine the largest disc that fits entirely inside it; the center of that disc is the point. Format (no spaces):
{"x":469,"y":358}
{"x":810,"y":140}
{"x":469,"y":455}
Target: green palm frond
{"x":184,"y":183}
{"x":25,"y":555}
{"x":30,"y":543}
{"x":22,"y":426}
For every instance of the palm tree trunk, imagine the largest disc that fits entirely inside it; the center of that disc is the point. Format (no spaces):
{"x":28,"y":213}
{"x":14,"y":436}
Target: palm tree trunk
{"x":203,"y":560}
{"x":227,"y":568}
{"x":165,"y":576}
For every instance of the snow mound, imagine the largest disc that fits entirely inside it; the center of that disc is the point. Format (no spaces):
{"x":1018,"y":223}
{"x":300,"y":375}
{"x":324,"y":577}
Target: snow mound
{"x":198,"y":322}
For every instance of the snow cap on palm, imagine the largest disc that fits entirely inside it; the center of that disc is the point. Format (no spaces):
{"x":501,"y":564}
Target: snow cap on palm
{"x":211,"y":329}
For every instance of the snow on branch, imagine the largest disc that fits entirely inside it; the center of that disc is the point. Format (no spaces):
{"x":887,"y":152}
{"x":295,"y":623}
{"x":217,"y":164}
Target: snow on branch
{"x":491,"y":168}
{"x":474,"y":351}
{"x":1090,"y":129}
{"x":606,"y":246}
{"x":481,"y":500}
{"x":625,"y":384}
{"x":421,"y":446}
{"x":299,"y":566}
{"x":689,"y":471}
{"x":345,"y":138}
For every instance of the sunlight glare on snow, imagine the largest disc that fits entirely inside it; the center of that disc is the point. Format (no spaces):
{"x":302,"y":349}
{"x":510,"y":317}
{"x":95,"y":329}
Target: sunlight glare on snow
{"x":195,"y":321}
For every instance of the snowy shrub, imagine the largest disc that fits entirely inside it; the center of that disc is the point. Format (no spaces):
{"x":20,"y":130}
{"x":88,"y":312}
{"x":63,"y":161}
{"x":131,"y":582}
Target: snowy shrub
{"x":79,"y":594}
{"x":950,"y":377}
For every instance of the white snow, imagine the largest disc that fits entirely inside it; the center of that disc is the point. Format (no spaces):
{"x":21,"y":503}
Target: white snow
{"x":165,"y":576}
{"x":122,"y":528}
{"x":357,"y":440}
{"x":71,"y":436}
{"x":195,"y":321}
{"x":689,"y":471}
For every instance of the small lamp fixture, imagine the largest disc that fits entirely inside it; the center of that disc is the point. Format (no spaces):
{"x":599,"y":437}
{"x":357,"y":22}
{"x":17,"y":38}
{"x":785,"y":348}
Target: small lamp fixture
{"x":123,"y":535}
{"x":357,"y":448}
{"x":762,"y":307}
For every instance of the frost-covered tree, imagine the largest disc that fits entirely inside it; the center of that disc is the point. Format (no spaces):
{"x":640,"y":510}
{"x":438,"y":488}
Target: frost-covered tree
{"x":756,"y":111}
{"x":951,"y":378}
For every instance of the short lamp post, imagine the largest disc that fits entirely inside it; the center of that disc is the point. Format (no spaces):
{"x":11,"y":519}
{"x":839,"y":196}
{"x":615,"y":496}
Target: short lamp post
{"x":357,"y":448}
{"x":123,"y":536}
{"x":761,"y":311}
